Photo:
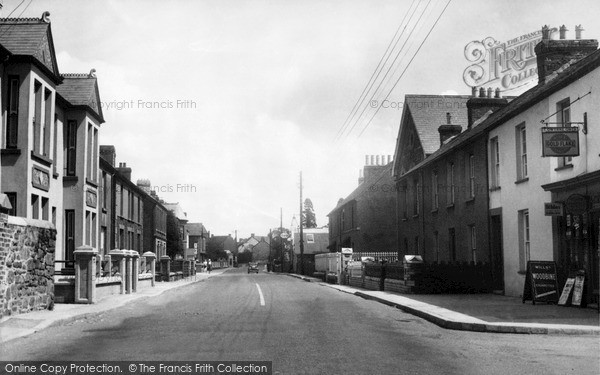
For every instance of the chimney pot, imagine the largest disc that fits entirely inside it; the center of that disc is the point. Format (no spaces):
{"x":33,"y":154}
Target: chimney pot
{"x":562,"y":32}
{"x":366,"y":159}
{"x":578,"y":31}
{"x":474,"y":91}
{"x":545,"y":32}
{"x":482,"y":92}
{"x":497,"y":96}
{"x":448,"y":118}
{"x":489,"y":92}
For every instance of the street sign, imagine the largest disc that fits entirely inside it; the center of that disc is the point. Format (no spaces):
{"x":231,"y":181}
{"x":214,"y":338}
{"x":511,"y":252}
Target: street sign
{"x":560,"y":141}
{"x":553,"y":209}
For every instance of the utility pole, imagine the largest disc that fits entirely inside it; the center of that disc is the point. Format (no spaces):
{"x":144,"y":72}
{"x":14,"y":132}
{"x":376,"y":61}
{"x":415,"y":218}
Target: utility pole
{"x":301,"y":233}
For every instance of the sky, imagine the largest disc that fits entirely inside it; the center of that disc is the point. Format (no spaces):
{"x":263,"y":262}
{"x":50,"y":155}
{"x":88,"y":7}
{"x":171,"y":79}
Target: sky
{"x":221,"y":104}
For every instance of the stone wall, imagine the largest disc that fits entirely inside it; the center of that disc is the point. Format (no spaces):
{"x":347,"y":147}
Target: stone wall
{"x":26,"y":265}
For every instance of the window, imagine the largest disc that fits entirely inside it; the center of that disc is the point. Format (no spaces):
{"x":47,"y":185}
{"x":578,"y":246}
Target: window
{"x":35,"y":206}
{"x":563,"y":119}
{"x":89,"y":153}
{"x":104,"y":190}
{"x":310,"y":238}
{"x":436,"y":245}
{"x":495,"y":162}
{"x":521,"y":137}
{"x":416,"y":197}
{"x":88,"y":227}
{"x":524,"y":239}
{"x":12,"y":198}
{"x":121,"y":244}
{"x":471,"y":176}
{"x":473,"y":243}
{"x":45,"y":209}
{"x":451,"y":189}
{"x":93,"y":230}
{"x":416,"y":245}
{"x":69,"y":234}
{"x":404,"y":202}
{"x":434,"y":191}
{"x":55,"y":144}
{"x":95,"y":156}
{"x":47,"y":126}
{"x":343,"y":220}
{"x":54,"y":216}
{"x":103,"y":243}
{"x":452,"y":243}
{"x":37,"y":118}
{"x":139,"y":243}
{"x":70,"y":148}
{"x":12,"y":124}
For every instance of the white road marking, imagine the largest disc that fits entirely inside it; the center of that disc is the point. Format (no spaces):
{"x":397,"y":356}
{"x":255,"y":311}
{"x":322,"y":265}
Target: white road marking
{"x":260,"y":294}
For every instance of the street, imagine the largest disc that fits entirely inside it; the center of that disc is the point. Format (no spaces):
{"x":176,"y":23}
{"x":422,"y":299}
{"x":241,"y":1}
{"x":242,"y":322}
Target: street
{"x":304,"y":328}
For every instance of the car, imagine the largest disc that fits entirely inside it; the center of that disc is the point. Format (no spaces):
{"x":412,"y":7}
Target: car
{"x":252,"y":267}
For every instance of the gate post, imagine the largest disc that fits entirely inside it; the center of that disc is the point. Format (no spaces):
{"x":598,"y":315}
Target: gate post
{"x":150,"y":263}
{"x":85,"y":274}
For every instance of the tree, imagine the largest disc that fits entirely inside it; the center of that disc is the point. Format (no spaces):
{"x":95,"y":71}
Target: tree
{"x":174,"y":240}
{"x":309,"y":219}
{"x":214,"y":250}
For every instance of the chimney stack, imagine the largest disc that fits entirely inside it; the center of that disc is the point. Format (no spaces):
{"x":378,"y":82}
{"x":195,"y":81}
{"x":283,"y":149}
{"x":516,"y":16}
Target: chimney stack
{"x":477,"y":107}
{"x":448,"y":130}
{"x":554,"y":54}
{"x":108,"y":153}
{"x":124,"y":170}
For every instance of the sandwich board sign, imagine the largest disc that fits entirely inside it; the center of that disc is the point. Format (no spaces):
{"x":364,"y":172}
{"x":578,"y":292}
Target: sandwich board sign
{"x":541,"y":284}
{"x":566,"y":293}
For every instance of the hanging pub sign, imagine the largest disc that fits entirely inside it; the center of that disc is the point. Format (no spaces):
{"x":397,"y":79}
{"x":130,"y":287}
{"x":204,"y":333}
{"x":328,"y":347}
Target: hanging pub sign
{"x":540,"y":282}
{"x":560,"y":141}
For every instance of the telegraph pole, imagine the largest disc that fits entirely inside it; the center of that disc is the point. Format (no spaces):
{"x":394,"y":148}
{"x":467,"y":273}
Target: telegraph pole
{"x":301,"y":233}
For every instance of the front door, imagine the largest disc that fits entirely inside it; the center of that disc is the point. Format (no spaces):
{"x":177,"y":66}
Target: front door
{"x":497,"y":254}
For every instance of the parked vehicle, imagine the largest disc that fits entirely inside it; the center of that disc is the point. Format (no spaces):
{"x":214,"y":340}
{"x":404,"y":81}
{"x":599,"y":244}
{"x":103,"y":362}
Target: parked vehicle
{"x":252,"y":267}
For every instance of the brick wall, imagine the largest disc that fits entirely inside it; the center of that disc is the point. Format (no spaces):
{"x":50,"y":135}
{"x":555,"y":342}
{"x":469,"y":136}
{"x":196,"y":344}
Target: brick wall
{"x":26,"y":265}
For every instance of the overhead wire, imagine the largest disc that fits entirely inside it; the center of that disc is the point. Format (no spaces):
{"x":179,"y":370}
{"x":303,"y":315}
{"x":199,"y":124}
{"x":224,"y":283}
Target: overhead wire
{"x":389,"y":69}
{"x":408,"y":65}
{"x":371,"y":81}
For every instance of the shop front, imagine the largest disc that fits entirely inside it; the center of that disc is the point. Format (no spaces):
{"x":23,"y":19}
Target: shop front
{"x":576,"y":232}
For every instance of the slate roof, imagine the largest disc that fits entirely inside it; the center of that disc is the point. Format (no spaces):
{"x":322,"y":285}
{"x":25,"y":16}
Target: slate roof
{"x":30,"y":37}
{"x":383,"y":176}
{"x":429,"y":112}
{"x":519,"y":104}
{"x":82,"y":90}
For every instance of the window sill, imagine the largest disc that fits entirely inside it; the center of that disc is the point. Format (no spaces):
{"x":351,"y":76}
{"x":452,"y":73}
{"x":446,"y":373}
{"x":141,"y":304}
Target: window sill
{"x":55,"y":175}
{"x":451,"y":205}
{"x":434,"y":211}
{"x":564,"y":167}
{"x":522,"y":180}
{"x":11,"y":151}
{"x":416,"y":216}
{"x":470,"y":200}
{"x":404,"y":219}
{"x":90,"y":182}
{"x":41,"y":159}
{"x":495,"y":188}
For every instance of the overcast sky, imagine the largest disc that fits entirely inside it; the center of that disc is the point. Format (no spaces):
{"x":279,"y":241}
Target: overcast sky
{"x":265,"y":86}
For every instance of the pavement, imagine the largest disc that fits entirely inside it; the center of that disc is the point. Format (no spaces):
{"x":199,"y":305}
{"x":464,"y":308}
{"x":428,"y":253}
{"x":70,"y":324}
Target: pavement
{"x":22,"y":325}
{"x":484,"y":312}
